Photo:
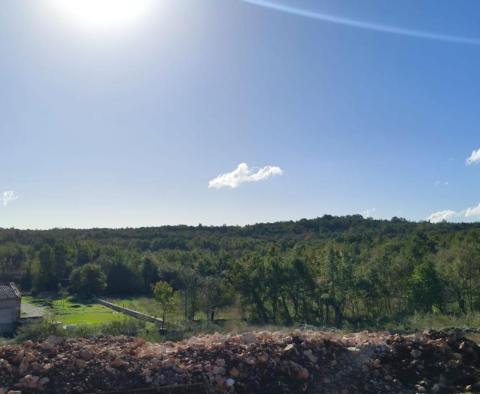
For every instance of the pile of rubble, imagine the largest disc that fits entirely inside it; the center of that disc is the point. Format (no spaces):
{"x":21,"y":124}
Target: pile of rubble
{"x":263,"y":362}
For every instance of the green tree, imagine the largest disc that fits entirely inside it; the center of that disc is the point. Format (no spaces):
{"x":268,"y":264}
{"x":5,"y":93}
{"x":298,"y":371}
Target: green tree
{"x":189,"y":285}
{"x":60,"y":266}
{"x":164,"y":295}
{"x":88,"y":280}
{"x":121,"y":278}
{"x":249,"y":277}
{"x":12,"y":258}
{"x":460,"y":267}
{"x":215,"y":294}
{"x":337,"y":273}
{"x":85,"y":253}
{"x":425,"y":288}
{"x":44,"y":277}
{"x":149,"y":273}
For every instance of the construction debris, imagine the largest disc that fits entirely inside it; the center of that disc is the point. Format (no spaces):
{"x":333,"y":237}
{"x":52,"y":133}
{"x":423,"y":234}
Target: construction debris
{"x":262,"y":362}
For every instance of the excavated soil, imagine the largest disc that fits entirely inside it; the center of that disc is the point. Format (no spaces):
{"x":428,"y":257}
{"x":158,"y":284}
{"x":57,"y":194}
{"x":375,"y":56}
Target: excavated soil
{"x":262,"y":362}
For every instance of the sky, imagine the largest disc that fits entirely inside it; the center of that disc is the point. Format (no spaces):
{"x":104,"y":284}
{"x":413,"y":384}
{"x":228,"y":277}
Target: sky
{"x":237,"y":112}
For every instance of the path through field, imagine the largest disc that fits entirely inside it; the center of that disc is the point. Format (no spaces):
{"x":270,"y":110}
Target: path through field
{"x":31,"y":311}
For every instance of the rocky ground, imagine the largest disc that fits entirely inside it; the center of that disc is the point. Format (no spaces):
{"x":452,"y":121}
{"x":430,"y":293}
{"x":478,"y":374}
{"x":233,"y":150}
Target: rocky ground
{"x":263,"y":362}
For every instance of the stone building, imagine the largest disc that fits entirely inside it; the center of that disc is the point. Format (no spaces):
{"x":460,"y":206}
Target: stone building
{"x":10,"y":301}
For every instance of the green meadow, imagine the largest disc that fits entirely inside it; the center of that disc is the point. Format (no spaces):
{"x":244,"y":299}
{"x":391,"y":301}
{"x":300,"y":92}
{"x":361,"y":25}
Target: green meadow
{"x":176,"y":316}
{"x":67,"y":310}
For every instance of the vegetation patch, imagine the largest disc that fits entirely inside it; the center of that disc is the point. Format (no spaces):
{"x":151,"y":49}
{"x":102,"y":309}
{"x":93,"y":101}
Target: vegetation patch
{"x":69,"y":311}
{"x":345,"y":272}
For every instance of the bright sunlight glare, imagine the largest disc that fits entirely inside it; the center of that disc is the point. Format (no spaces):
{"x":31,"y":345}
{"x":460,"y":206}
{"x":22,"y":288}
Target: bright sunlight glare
{"x":103,"y":13}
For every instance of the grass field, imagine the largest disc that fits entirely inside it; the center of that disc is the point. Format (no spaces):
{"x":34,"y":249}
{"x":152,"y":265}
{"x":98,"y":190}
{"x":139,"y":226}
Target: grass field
{"x":151,"y":307}
{"x":69,"y":311}
{"x":93,"y":319}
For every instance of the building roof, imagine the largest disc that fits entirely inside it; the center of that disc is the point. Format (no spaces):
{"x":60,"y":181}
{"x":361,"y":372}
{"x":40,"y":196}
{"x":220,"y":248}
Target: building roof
{"x":8,"y":291}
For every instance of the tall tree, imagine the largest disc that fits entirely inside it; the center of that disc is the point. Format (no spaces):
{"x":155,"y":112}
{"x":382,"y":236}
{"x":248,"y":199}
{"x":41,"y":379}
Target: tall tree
{"x":164,"y":295}
{"x":88,"y":280}
{"x":149,"y":273}
{"x":45,"y":278}
{"x":425,"y":288}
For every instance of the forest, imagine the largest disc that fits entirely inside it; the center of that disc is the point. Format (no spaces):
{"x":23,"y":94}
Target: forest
{"x":328,"y":271}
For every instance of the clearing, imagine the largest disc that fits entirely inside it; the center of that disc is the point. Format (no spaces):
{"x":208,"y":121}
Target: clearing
{"x":70,"y":311}
{"x":151,"y":307}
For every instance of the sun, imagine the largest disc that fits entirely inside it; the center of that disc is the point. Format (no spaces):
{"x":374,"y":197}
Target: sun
{"x":103,"y":13}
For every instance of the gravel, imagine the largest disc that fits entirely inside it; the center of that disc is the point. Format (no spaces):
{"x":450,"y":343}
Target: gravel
{"x":254,"y":362}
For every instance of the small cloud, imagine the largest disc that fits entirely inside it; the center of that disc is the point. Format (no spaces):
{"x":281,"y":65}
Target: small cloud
{"x":243,"y":174}
{"x":441,"y":216}
{"x":368,"y":212}
{"x":441,"y":183}
{"x":474,"y":158}
{"x":7,"y":197}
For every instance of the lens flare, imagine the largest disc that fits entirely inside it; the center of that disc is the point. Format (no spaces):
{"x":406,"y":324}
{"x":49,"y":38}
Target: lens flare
{"x":103,"y":13}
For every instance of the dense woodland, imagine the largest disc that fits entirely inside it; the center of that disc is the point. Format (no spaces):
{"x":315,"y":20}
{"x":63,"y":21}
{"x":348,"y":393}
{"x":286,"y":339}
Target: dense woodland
{"x":324,"y":271}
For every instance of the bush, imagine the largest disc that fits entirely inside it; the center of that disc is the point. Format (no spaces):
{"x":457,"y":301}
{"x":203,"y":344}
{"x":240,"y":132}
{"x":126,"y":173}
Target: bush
{"x":128,"y":327}
{"x":40,"y":330}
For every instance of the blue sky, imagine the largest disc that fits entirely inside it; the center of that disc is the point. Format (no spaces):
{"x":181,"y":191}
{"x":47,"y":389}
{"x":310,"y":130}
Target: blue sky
{"x":128,"y":125}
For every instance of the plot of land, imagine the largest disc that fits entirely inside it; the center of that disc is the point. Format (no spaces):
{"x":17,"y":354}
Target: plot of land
{"x":151,"y":307}
{"x":30,"y":310}
{"x":69,"y":311}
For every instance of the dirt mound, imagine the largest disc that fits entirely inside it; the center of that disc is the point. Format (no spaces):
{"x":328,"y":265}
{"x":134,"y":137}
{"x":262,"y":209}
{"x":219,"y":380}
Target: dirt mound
{"x":262,"y":362}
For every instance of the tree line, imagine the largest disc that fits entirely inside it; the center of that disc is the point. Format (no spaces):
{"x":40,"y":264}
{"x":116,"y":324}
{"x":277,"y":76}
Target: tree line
{"x":324,"y":271}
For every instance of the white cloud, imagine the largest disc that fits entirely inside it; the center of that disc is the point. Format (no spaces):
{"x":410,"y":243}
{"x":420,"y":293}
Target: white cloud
{"x":7,"y":197}
{"x":446,"y":215}
{"x":440,"y":216}
{"x":368,"y":212}
{"x":442,"y":183}
{"x":243,"y":174}
{"x":474,"y":158}
{"x":472,"y":212}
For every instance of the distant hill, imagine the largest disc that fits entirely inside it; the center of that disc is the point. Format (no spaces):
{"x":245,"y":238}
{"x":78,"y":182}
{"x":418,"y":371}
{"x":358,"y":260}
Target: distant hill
{"x":326,"y":227}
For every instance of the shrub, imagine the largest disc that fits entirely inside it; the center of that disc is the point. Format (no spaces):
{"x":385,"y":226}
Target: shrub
{"x":40,"y":330}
